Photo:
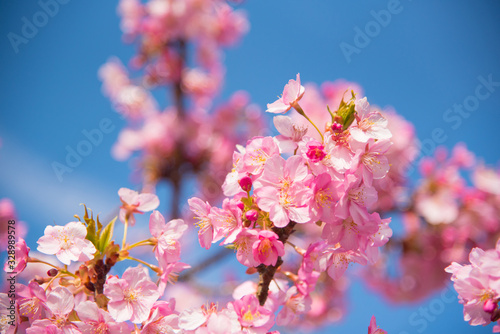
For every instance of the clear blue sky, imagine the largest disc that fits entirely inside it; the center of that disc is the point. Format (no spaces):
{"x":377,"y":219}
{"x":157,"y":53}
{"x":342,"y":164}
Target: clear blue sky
{"x":426,"y":59}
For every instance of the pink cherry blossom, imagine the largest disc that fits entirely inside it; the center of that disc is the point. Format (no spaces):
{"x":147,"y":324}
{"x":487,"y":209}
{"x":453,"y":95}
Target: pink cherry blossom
{"x":267,"y":248}
{"x":170,"y":273}
{"x":258,"y":150}
{"x":373,"y":329}
{"x":355,"y":199}
{"x":290,"y":133}
{"x":315,"y":151}
{"x":132,"y":296}
{"x":162,"y":319}
{"x":133,"y":202}
{"x":60,"y":302}
{"x":368,"y":124}
{"x":168,"y":248}
{"x":292,"y":93}
{"x":349,"y":234}
{"x":32,"y":301}
{"x":243,"y":243}
{"x":67,"y":242}
{"x":371,"y":162}
{"x":295,"y":303}
{"x":285,"y":204}
{"x":96,"y":320}
{"x":226,"y":221}
{"x":324,"y":198}
{"x":202,"y":210}
{"x":251,"y":314}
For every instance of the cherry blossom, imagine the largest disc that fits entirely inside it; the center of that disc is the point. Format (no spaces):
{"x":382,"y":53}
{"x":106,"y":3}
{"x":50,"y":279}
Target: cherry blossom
{"x":132,"y":296}
{"x":67,"y":242}
{"x":292,"y":93}
{"x":133,"y":202}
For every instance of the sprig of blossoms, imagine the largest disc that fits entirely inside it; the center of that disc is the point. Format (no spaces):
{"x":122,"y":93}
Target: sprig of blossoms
{"x":478,"y":286}
{"x":294,"y":182}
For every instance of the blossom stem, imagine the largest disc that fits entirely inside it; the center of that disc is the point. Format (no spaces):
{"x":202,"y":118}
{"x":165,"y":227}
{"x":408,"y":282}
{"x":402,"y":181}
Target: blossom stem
{"x":150,"y":266}
{"x":33,"y":260}
{"x":125,"y":232}
{"x":146,"y":242}
{"x":52,"y":280}
{"x":301,"y":111}
{"x":299,"y":250}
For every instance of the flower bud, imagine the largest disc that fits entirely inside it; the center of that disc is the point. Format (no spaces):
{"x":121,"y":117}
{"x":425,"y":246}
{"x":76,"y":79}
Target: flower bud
{"x":252,"y":215}
{"x":245,"y":183}
{"x":52,"y":272}
{"x":315,"y":151}
{"x":336,"y":127}
{"x":489,"y":306}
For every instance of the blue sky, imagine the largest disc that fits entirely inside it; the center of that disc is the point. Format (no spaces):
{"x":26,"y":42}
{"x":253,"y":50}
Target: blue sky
{"x":430,"y":56}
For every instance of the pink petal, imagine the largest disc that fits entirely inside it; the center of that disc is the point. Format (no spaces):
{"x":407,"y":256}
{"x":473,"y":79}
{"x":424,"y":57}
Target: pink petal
{"x":148,"y":202}
{"x":156,"y":223}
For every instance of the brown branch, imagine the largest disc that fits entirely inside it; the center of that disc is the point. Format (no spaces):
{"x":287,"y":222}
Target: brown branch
{"x":266,"y":273}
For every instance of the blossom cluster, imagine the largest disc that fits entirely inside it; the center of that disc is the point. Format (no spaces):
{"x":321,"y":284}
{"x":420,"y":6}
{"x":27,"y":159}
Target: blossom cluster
{"x":187,"y":136}
{"x":478,"y":286}
{"x":83,"y":300}
{"x":279,"y":184}
{"x":444,"y":217}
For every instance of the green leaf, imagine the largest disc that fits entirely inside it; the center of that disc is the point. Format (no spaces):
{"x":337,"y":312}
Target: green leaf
{"x":91,"y":227}
{"x":248,"y":201}
{"x":106,"y":235}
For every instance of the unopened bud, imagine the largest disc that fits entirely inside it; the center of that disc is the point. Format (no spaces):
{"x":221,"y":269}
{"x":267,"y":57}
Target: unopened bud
{"x":315,"y":151}
{"x":252,"y":215}
{"x":246,"y":183}
{"x":489,"y":306}
{"x":336,"y":127}
{"x":52,"y":272}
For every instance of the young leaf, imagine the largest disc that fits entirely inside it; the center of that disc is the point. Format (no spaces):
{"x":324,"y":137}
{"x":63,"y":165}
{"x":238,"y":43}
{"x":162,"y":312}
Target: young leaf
{"x":106,"y":235}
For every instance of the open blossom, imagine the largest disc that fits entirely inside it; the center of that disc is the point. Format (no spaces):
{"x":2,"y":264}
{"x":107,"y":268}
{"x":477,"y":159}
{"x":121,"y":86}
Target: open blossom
{"x":292,"y":93}
{"x":371,"y":161}
{"x":290,"y":133}
{"x":168,"y":248}
{"x":355,"y":200}
{"x":478,"y":285}
{"x":295,"y":303}
{"x":96,"y":320}
{"x":267,"y":248}
{"x":210,"y":320}
{"x":132,"y":296}
{"x":133,"y":202}
{"x":202,"y":210}
{"x":162,"y":319}
{"x":251,"y":314}
{"x":368,"y":124}
{"x":258,"y":151}
{"x":324,"y":198}
{"x":32,"y":301}
{"x":60,"y":302}
{"x":67,"y":242}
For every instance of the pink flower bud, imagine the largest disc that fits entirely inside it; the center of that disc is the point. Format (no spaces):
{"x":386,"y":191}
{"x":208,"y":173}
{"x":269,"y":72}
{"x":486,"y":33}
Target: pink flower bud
{"x":336,"y":127}
{"x":316,"y":151}
{"x":52,"y":272}
{"x":241,"y":205}
{"x":246,"y":183}
{"x":252,"y":215}
{"x":489,"y":306}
